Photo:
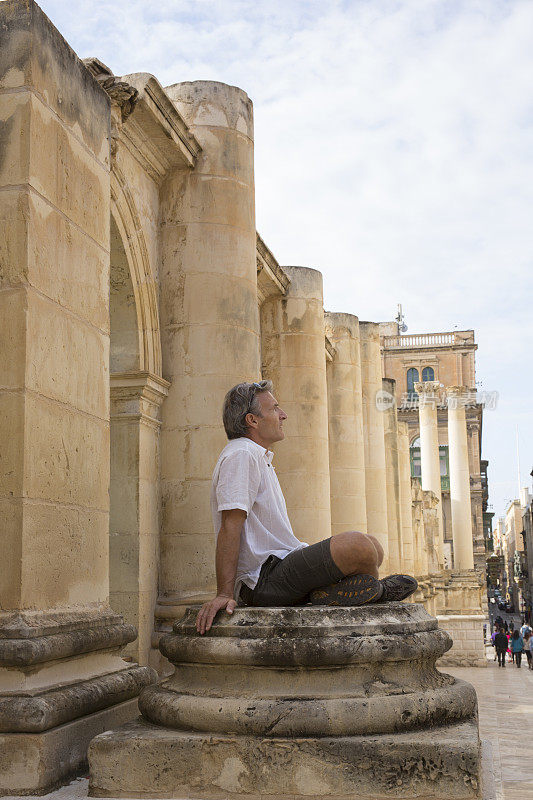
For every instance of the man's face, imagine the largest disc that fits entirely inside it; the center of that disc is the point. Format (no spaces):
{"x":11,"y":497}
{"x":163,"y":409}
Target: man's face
{"x":269,"y":426}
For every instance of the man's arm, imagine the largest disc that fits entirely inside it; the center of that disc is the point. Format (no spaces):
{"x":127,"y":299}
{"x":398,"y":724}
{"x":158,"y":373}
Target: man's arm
{"x":227,"y":556}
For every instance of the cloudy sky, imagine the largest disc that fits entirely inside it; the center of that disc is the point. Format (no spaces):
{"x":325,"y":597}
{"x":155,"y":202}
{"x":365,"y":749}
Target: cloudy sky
{"x":394,"y":152}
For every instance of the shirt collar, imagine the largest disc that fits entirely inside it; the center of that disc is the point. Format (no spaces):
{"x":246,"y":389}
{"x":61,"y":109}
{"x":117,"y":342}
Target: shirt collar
{"x":268,"y":454}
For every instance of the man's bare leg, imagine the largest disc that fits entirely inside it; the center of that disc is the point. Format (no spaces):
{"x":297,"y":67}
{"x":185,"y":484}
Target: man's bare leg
{"x":357,"y":553}
{"x":359,"y":556}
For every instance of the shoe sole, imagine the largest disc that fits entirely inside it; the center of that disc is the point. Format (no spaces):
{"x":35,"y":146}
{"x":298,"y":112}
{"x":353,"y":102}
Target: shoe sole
{"x":355,"y":590}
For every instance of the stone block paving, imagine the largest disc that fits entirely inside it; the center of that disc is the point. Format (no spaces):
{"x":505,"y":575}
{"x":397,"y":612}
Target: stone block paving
{"x":505,"y":698}
{"x":505,"y":718}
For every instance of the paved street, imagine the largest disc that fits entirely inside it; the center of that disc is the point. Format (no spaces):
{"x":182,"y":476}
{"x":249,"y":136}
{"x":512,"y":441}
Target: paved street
{"x":506,"y":719}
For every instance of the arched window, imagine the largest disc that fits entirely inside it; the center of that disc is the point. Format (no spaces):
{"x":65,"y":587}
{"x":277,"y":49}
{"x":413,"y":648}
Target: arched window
{"x":412,"y":378}
{"x":414,"y":452}
{"x":428,"y":374}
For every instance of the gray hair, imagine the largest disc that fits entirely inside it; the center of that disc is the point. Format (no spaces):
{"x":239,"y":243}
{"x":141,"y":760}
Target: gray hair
{"x":240,"y":401}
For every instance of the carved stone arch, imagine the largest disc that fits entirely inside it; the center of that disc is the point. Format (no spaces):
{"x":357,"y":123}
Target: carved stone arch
{"x":143,"y":279}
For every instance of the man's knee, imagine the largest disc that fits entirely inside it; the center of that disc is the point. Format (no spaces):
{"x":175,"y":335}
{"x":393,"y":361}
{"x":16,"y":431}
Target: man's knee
{"x":379,"y":548}
{"x":353,"y":551}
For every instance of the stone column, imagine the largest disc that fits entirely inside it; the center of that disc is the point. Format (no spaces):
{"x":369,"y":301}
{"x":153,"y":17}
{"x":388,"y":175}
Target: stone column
{"x":374,"y":436}
{"x":419,"y":539}
{"x":62,"y":679}
{"x":136,"y":399}
{"x":342,"y":733}
{"x":210,"y":324}
{"x":346,"y":442}
{"x":293,"y":352}
{"x":392,"y":463}
{"x":463,"y":550}
{"x":406,"y":502}
{"x":429,"y":452}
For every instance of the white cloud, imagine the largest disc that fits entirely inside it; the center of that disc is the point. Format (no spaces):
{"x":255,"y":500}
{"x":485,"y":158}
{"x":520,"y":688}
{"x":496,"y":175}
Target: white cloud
{"x":393,"y":151}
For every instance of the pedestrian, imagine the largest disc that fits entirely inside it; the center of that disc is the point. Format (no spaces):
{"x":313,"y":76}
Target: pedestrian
{"x":511,"y":627}
{"x":506,"y":627}
{"x":524,"y":629}
{"x":492,"y":637}
{"x":517,"y":646}
{"x":527,"y":648}
{"x":501,"y":643}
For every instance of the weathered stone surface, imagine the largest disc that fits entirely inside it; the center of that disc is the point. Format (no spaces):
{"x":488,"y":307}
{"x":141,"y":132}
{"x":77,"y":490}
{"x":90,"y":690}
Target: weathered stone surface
{"x":301,"y":701}
{"x":338,"y":671}
{"x":35,"y":763}
{"x":145,"y":760}
{"x":24,"y":652}
{"x":40,"y":712}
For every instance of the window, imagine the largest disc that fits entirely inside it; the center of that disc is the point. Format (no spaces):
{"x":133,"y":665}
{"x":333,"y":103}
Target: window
{"x":414,"y":452}
{"x":428,"y":374}
{"x":443,"y":455}
{"x":412,"y":378}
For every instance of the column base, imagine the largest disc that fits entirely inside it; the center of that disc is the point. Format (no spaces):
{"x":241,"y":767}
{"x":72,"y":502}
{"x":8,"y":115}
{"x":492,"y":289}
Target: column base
{"x":145,"y":760}
{"x":62,"y":682}
{"x":36,"y":763}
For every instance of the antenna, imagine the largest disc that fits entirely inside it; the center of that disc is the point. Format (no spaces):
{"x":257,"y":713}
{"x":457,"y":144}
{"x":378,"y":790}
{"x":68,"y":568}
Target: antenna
{"x":399,"y":318}
{"x":518,"y":461}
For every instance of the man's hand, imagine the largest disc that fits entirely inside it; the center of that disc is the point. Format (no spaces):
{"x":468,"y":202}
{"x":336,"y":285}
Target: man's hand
{"x":209,"y":610}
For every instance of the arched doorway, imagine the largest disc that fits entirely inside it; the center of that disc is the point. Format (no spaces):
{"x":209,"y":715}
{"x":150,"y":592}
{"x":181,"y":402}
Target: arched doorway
{"x":136,"y":394}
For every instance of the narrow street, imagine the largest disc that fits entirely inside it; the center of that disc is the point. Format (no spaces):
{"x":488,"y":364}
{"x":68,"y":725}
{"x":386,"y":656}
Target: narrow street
{"x":505,"y":699}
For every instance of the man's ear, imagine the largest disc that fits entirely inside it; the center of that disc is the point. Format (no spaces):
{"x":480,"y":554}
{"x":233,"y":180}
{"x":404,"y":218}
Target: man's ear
{"x":251,"y":420}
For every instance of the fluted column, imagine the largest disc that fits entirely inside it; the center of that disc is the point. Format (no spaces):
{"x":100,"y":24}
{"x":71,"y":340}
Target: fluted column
{"x":293,"y":352}
{"x":210,"y":323}
{"x":463,"y":550}
{"x":345,"y":410}
{"x":429,"y":451}
{"x":374,"y":436}
{"x":406,"y":502}
{"x":392,"y":464}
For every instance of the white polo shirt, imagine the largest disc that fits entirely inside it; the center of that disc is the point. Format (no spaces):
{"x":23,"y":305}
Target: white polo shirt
{"x":245,"y":478}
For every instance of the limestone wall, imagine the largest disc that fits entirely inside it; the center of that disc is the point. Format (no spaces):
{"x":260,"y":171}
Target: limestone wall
{"x":468,"y":648}
{"x":54,"y":335}
{"x":62,"y":679}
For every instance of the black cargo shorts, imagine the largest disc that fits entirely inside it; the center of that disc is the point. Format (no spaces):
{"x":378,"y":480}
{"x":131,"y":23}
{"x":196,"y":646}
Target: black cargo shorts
{"x":288,"y":581}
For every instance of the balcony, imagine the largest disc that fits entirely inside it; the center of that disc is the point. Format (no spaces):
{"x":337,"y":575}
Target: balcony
{"x":448,"y":339}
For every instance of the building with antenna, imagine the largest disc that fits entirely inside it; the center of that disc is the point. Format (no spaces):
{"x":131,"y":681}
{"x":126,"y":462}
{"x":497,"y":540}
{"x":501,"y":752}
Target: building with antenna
{"x":448,"y":359}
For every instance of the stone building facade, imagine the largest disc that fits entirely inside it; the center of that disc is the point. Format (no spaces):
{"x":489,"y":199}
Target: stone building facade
{"x":134,"y":291}
{"x":448,"y":358}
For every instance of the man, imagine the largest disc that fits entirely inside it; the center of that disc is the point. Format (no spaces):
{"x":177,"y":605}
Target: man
{"x":501,"y":643}
{"x":259,"y":561}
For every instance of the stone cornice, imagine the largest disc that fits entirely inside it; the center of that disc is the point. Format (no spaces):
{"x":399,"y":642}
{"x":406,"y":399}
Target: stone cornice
{"x":140,"y":383}
{"x":138,"y":396}
{"x":271,"y":278}
{"x":120,"y":92}
{"x":146,"y":121}
{"x":161,"y":122}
